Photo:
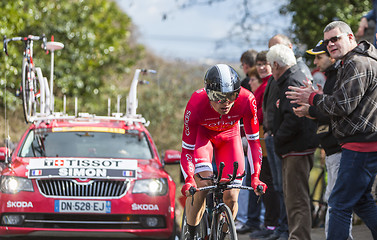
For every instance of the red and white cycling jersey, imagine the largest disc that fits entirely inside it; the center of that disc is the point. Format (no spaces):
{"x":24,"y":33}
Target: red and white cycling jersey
{"x":206,"y":130}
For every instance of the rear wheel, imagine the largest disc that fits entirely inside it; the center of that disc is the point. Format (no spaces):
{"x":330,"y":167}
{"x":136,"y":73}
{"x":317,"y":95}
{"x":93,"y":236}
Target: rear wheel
{"x":318,"y":204}
{"x":223,"y":225}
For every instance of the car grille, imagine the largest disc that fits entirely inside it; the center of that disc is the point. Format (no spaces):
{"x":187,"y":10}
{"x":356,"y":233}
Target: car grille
{"x":73,"y":188}
{"x":88,"y":221}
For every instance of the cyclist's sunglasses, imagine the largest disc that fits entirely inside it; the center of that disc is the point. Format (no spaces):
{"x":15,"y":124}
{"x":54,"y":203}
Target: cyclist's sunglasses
{"x":220,"y":97}
{"x":333,"y":39}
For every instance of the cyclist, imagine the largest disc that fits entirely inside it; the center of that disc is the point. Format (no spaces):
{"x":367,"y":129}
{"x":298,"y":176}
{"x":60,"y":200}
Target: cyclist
{"x":211,"y":126}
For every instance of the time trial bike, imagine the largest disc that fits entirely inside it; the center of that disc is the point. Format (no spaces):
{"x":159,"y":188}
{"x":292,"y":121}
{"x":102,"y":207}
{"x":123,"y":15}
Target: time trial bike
{"x":217,"y":220}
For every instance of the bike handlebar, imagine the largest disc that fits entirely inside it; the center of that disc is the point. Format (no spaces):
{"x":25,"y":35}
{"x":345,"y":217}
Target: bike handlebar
{"x":228,"y":184}
{"x":192,"y":190}
{"x":231,"y":178}
{"x":25,"y":39}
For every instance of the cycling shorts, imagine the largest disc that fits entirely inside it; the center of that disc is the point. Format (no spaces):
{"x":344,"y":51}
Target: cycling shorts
{"x":225,"y":146}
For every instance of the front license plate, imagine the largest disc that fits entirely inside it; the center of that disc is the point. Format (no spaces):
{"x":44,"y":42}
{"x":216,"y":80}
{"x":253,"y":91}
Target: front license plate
{"x":82,"y":206}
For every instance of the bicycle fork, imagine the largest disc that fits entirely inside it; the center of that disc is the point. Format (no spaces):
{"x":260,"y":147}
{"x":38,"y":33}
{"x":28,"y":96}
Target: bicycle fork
{"x":217,"y":217}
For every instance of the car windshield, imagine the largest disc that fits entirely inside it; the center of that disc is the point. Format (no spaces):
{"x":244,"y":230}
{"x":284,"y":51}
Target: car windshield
{"x":42,"y":143}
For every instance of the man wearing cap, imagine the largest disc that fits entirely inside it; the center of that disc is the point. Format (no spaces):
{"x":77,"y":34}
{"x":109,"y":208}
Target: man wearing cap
{"x":327,"y":140}
{"x":353,"y":110}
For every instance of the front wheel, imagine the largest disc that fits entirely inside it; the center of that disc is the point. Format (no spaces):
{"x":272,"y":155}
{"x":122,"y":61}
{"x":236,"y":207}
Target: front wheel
{"x":29,"y":90}
{"x":223,"y":224}
{"x":203,"y":228}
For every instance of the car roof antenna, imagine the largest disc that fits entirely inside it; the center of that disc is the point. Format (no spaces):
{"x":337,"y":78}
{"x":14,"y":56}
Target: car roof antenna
{"x":6,"y":125}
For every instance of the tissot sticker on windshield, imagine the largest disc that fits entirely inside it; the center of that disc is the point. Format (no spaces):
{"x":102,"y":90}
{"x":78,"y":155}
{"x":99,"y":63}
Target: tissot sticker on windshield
{"x":88,"y":129}
{"x":82,"y":168}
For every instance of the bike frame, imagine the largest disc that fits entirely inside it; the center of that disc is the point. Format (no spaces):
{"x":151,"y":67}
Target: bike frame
{"x":218,"y":189}
{"x":29,"y":76}
{"x":28,"y":54}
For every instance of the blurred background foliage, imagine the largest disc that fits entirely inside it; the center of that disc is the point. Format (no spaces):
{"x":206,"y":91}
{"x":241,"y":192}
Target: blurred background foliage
{"x":101,"y":53}
{"x":96,"y":36}
{"x":97,"y":63}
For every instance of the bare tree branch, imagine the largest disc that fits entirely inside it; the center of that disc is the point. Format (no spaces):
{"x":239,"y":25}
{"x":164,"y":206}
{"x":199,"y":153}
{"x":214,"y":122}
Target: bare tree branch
{"x":254,"y":21}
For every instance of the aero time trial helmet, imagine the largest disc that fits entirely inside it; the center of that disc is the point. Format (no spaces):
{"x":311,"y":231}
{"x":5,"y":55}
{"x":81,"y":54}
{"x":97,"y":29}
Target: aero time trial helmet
{"x":222,"y":83}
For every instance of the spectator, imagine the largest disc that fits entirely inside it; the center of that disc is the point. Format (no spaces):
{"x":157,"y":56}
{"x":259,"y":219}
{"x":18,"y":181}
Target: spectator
{"x":295,"y":143}
{"x":282,"y":39}
{"x":271,"y":197}
{"x":327,"y":140}
{"x":247,"y":61}
{"x":264,"y":72}
{"x":269,"y":109}
{"x":353,"y":111}
{"x":254,"y":80}
{"x":248,"y":217}
{"x":363,"y":24}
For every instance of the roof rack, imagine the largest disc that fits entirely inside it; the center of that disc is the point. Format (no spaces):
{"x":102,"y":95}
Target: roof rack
{"x":115,"y":117}
{"x":130,"y":116}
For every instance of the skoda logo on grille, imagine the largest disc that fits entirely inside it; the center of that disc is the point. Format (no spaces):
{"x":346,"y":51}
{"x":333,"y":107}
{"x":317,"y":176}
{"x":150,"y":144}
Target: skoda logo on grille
{"x":83,"y":182}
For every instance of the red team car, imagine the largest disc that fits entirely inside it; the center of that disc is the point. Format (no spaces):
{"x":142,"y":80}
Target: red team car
{"x":87,"y":176}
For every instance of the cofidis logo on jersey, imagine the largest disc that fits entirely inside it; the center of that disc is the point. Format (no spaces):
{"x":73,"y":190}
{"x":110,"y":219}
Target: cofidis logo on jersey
{"x":187,"y":119}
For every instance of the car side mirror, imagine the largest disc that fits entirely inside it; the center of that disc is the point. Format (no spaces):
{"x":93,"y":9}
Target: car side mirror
{"x":172,"y":157}
{"x":4,"y":152}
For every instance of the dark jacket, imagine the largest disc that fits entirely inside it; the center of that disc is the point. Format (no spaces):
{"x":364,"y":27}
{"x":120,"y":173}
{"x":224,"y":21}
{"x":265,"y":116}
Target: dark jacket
{"x":326,"y":138}
{"x":353,"y":104}
{"x":271,"y":95}
{"x":245,"y":83}
{"x":291,"y":133}
{"x":269,"y":104}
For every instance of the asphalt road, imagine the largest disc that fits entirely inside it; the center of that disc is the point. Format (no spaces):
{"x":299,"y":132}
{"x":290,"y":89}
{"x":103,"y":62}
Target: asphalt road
{"x":359,"y":232}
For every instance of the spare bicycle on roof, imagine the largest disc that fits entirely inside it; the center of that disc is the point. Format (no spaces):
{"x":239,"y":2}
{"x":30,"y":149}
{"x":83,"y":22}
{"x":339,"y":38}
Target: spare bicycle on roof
{"x":37,"y":91}
{"x":37,"y":96}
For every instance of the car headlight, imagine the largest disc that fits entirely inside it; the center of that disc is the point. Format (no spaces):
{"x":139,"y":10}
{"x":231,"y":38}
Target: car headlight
{"x":157,"y":186}
{"x":11,"y":184}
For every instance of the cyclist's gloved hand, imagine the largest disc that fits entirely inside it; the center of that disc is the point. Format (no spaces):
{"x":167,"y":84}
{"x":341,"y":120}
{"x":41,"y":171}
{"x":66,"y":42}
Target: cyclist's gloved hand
{"x":190,"y":182}
{"x":255,"y":182}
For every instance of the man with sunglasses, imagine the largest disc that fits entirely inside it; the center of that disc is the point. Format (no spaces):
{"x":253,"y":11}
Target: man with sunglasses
{"x":353,"y":110}
{"x":328,"y":142}
{"x":211,"y":126}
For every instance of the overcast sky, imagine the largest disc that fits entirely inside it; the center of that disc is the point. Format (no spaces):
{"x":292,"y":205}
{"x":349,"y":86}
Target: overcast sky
{"x":192,"y":33}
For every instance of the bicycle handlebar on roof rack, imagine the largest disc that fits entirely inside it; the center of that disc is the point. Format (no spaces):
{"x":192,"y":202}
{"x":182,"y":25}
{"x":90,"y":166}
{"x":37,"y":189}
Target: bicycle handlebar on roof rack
{"x":28,"y":39}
